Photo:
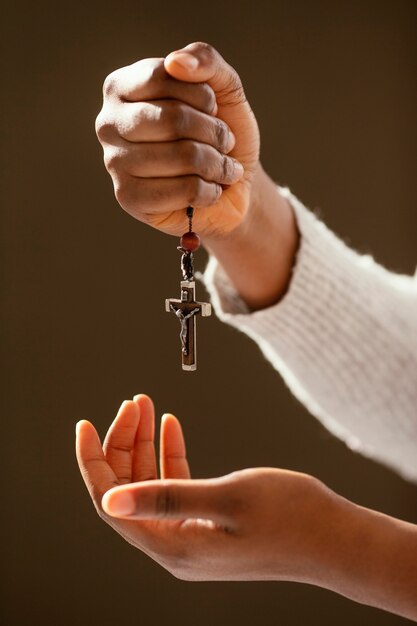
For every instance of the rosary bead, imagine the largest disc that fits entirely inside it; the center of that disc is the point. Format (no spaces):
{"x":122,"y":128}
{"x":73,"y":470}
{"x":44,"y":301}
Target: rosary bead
{"x":190,"y":242}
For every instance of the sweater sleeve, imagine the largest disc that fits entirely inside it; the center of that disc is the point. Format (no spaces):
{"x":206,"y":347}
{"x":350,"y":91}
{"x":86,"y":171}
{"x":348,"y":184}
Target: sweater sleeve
{"x":344,"y":339}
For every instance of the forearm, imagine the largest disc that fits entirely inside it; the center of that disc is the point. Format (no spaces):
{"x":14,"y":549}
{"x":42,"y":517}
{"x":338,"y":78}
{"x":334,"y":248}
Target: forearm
{"x":344,"y":338}
{"x":259,"y":255}
{"x":372,"y":559}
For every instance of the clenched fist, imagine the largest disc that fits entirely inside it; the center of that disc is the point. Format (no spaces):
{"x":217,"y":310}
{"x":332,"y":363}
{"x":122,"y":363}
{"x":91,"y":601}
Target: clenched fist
{"x":177,"y":132}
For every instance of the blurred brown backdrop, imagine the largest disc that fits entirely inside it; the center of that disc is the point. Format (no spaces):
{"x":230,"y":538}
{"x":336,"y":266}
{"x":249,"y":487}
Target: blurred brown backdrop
{"x":333,"y":87}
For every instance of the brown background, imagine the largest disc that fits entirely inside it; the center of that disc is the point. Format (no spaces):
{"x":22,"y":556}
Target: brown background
{"x":333,"y":87}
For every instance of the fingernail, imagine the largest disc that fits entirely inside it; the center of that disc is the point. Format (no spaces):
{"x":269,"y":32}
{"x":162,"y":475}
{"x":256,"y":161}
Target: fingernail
{"x":77,"y":428}
{"x":119,"y":503}
{"x":232,"y":141}
{"x":238,"y":167}
{"x":185,"y":60}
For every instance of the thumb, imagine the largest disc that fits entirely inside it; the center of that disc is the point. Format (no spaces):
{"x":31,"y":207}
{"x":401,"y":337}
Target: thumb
{"x":172,"y":499}
{"x":200,"y":62}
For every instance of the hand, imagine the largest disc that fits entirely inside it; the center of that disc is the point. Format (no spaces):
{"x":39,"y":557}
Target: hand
{"x":176,"y":132}
{"x":254,"y":524}
{"x":175,"y":136}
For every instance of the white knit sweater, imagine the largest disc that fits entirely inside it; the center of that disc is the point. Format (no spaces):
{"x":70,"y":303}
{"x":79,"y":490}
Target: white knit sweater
{"x":344,"y":339}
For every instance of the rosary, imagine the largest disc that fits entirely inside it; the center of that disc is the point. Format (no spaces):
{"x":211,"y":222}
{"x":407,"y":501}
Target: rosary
{"x":186,"y":308}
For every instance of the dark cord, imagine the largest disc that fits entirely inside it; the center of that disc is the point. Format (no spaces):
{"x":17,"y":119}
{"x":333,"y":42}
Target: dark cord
{"x":190,"y":213}
{"x":187,"y":265}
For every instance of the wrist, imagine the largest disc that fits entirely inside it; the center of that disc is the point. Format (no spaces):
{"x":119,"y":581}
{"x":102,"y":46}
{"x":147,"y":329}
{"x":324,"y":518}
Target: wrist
{"x":369,"y":557}
{"x":259,"y":254}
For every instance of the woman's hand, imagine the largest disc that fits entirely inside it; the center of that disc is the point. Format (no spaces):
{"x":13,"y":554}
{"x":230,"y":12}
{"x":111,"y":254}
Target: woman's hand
{"x":176,"y":132}
{"x":179,"y":131}
{"x":255,"y":524}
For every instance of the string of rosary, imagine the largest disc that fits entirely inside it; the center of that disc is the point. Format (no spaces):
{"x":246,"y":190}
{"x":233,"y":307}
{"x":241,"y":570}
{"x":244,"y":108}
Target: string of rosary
{"x":189,"y":243}
{"x":186,"y":308}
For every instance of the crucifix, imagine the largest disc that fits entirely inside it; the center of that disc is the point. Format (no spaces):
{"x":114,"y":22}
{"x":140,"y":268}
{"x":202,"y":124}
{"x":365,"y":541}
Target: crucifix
{"x":186,"y":308}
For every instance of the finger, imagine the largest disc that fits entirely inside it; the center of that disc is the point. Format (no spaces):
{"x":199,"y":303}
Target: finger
{"x":148,"y":79}
{"x":142,"y":197}
{"x":144,"y":458}
{"x":175,"y":158}
{"x":96,"y":472}
{"x":173,"y":456}
{"x":120,"y":439}
{"x":165,"y":120}
{"x":200,"y":62}
{"x":99,"y":478}
{"x":173,"y":499}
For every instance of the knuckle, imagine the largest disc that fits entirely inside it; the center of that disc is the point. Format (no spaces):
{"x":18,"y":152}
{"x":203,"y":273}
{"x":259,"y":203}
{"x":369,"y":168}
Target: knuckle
{"x":209,"y":97}
{"x":202,"y":193}
{"x":216,"y":193}
{"x":174,"y":118}
{"x":137,"y":119}
{"x":221,"y":134}
{"x":227,"y":169}
{"x":236,"y":506}
{"x":232,"y":91}
{"x":152,"y":196}
{"x":132,"y":198}
{"x":236,"y":500}
{"x":155,"y":71}
{"x":112,"y":159}
{"x":195,"y":191}
{"x":104,"y":126}
{"x":123,"y":192}
{"x":167,"y":502}
{"x":110,"y":84}
{"x":134,"y":124}
{"x":206,"y":170}
{"x":190,"y":154}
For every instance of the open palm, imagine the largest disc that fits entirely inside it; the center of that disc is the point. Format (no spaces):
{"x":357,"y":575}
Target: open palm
{"x":128,"y":456}
{"x":254,"y":524}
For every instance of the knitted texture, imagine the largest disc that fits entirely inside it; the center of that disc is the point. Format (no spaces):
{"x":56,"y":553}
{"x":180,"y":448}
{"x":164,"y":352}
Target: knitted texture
{"x":344,"y":339}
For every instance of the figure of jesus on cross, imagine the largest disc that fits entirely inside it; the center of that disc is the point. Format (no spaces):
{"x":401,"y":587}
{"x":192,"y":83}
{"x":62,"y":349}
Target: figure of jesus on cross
{"x":184,"y":327}
{"x":186,"y":309}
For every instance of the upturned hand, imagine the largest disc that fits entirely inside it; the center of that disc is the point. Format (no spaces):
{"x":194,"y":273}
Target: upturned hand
{"x":254,"y":524}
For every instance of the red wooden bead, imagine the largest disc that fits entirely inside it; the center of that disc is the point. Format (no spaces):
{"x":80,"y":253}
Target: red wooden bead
{"x":190,"y":242}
